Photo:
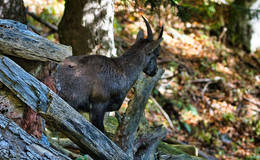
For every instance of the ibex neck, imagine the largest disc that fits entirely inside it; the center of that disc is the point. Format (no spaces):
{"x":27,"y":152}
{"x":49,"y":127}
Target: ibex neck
{"x":132,"y":64}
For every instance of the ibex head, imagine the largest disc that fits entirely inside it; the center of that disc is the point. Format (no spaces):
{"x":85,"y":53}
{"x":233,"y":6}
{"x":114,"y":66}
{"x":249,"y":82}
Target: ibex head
{"x":150,"y":47}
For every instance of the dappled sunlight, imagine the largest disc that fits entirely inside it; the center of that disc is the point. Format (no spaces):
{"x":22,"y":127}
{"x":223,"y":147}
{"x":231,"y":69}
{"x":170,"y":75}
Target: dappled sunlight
{"x":221,"y":80}
{"x":209,"y":90}
{"x":37,"y":6}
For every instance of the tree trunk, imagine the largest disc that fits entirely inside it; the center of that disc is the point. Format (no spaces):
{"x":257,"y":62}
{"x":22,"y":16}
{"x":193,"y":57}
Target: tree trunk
{"x":13,"y":9}
{"x":87,"y":26}
{"x":243,"y":24}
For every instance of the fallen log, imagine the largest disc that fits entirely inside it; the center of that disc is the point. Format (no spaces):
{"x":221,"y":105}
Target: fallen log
{"x":57,"y":112}
{"x":16,"y":40}
{"x":15,"y":143}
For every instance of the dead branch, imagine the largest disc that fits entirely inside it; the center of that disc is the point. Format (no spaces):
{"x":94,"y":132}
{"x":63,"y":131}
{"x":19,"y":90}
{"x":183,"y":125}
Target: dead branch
{"x":57,"y":112}
{"x":252,"y":101}
{"x":47,"y":24}
{"x":16,"y":40}
{"x":163,"y":112}
{"x":127,"y":130}
{"x":15,"y":143}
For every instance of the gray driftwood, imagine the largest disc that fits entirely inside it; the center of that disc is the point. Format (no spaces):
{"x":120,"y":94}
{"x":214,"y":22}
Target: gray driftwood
{"x":16,"y":40}
{"x":15,"y":143}
{"x":57,"y":112}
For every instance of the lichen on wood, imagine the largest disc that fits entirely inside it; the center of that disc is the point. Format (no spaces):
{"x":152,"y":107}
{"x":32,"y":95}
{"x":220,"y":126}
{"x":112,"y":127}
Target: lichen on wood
{"x":15,"y":143}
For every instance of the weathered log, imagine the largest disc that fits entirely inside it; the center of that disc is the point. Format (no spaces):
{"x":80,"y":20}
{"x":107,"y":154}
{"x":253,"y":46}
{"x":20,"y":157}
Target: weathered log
{"x":16,"y":40}
{"x":57,"y":112}
{"x":15,"y":143}
{"x":126,"y":132}
{"x":145,"y":145}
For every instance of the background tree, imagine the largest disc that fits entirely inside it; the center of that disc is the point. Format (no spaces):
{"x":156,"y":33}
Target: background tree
{"x":87,"y":26}
{"x":13,"y":9}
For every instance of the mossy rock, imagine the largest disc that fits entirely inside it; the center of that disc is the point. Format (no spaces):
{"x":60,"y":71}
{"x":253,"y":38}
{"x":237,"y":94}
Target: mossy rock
{"x":178,"y":152}
{"x":179,"y":157}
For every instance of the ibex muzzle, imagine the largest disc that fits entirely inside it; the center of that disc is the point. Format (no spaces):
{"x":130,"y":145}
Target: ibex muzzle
{"x":98,"y":84}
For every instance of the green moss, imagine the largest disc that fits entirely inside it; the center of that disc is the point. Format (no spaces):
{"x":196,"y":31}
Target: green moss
{"x":178,"y":152}
{"x":111,"y":124}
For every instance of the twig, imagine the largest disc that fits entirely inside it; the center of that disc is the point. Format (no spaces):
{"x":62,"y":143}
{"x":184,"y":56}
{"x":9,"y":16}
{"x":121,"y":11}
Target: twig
{"x":208,"y":82}
{"x":252,"y":101}
{"x":205,"y":80}
{"x":223,"y":34}
{"x":163,"y":112}
{"x":47,"y":24}
{"x":34,"y":29}
{"x":205,"y":88}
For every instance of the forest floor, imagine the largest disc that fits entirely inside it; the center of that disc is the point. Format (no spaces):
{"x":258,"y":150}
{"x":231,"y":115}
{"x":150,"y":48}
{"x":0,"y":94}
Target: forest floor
{"x":210,"y":91}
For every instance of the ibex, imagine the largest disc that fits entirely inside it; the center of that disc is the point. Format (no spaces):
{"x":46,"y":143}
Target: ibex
{"x":98,"y":84}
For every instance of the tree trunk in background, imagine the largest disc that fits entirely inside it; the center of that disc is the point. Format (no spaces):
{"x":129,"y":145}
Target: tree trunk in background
{"x":87,"y":26}
{"x":12,"y":9}
{"x":243,"y":25}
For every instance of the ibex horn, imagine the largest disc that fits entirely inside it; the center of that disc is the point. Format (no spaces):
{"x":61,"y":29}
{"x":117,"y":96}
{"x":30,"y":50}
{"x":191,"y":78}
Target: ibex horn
{"x":149,"y":30}
{"x":161,"y":33}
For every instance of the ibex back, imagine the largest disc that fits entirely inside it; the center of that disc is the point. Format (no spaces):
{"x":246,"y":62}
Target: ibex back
{"x":98,"y":84}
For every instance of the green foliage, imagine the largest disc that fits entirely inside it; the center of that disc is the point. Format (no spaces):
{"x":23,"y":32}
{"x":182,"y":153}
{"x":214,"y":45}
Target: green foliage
{"x":257,"y":130}
{"x":192,"y":109}
{"x":111,"y":124}
{"x":186,"y":127}
{"x":229,"y":117}
{"x":117,"y":26}
{"x":205,"y":137}
{"x":187,"y":11}
{"x":48,"y":15}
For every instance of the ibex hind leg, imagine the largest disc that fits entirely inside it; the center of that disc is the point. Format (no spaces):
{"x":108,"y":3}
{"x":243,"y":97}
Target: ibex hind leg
{"x":97,"y":113}
{"x":115,"y":103}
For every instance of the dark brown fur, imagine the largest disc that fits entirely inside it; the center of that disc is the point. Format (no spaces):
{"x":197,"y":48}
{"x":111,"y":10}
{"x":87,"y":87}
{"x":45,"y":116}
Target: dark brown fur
{"x":98,"y":84}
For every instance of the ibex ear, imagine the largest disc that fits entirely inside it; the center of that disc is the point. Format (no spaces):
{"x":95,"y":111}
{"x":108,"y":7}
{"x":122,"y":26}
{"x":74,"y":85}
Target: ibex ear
{"x":140,"y":35}
{"x":149,"y":48}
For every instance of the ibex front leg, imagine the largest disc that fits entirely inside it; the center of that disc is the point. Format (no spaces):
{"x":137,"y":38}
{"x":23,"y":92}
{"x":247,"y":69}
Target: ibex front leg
{"x":97,"y":113}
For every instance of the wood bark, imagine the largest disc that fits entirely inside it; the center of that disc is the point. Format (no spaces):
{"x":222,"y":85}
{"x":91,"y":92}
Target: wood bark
{"x":16,"y":40}
{"x":87,"y":26}
{"x":57,"y":112}
{"x":13,"y":9}
{"x":15,"y":143}
{"x":30,"y":51}
{"x":242,"y":20}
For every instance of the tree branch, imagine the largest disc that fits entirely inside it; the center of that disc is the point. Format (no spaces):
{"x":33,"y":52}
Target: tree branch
{"x":57,"y":112}
{"x":126,"y":132}
{"x":17,"y":40}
